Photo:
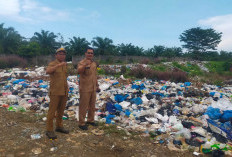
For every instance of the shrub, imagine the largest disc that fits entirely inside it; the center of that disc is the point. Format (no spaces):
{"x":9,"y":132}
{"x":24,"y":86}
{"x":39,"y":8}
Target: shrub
{"x":131,"y":60}
{"x":12,"y":61}
{"x":218,"y":83}
{"x":157,"y":60}
{"x":159,"y":68}
{"x":123,"y":69}
{"x":100,"y":71}
{"x":161,"y":75}
{"x":226,"y":66}
{"x":141,"y":72}
{"x":179,"y":76}
{"x":192,"y":69}
{"x":218,"y":67}
{"x":109,"y":60}
{"x":182,"y":67}
{"x":119,"y":61}
{"x":175,"y":76}
{"x":144,"y":61}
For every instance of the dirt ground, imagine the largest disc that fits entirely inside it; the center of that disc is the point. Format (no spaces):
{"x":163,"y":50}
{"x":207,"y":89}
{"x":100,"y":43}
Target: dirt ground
{"x":16,"y":130}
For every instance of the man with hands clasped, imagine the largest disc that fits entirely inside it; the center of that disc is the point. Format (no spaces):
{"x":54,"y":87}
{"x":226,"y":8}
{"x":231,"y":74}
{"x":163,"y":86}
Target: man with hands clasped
{"x":88,"y":86}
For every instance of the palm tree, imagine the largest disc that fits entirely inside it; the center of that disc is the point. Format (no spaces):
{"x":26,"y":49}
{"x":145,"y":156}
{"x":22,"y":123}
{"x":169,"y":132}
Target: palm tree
{"x":10,"y":40}
{"x":103,"y":46}
{"x":47,"y":41}
{"x":130,"y":50}
{"x":77,"y":46}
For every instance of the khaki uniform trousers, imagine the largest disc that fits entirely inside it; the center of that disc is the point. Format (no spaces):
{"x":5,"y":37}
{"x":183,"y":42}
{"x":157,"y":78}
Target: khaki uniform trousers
{"x":56,"y":108}
{"x":87,"y":103}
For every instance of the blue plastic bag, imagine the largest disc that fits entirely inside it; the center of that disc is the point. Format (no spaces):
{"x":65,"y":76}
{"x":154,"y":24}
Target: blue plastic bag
{"x":17,"y":81}
{"x":43,"y":86}
{"x":226,"y":115}
{"x":160,"y":94}
{"x":220,"y":128}
{"x":40,"y":81}
{"x":115,"y":83}
{"x":138,"y":87}
{"x":213,"y":113}
{"x":110,"y":107}
{"x":136,"y":101}
{"x":118,"y":107}
{"x":187,"y":83}
{"x":25,"y":85}
{"x":127,"y":113}
{"x":120,"y":98}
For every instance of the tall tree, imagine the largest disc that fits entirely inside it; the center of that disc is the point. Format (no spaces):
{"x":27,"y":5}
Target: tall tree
{"x":198,"y":40}
{"x":77,"y":46}
{"x":47,"y":41}
{"x":10,"y":40}
{"x":104,"y":46}
{"x":156,"y":51}
{"x":29,"y":49}
{"x":224,"y":55}
{"x":130,"y":50}
{"x":172,"y":52}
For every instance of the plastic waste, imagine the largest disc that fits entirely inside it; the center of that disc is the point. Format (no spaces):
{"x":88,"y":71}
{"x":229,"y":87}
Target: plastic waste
{"x":213,"y":113}
{"x":35,"y":136}
{"x":184,"y":133}
{"x":53,"y":149}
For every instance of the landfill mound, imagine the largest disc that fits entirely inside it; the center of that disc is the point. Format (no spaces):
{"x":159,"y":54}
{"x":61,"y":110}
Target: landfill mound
{"x":178,"y":116}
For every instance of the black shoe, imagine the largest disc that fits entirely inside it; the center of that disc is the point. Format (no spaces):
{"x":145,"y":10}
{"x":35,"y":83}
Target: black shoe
{"x":92,"y":123}
{"x":51,"y":135}
{"x":83,"y":127}
{"x":62,"y":130}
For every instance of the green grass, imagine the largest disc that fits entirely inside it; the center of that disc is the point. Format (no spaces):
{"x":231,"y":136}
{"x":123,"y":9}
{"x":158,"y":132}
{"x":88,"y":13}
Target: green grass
{"x":159,"y":67}
{"x":112,"y":129}
{"x":191,"y":69}
{"x":101,"y":71}
{"x":181,"y":67}
{"x":218,"y":71}
{"x":218,"y":66}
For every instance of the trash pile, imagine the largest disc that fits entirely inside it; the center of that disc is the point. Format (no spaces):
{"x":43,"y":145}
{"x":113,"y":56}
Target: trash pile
{"x":174,"y":114}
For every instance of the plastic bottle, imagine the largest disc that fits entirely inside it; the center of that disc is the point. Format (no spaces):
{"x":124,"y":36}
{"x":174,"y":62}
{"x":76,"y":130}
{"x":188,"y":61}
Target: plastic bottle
{"x":35,"y":136}
{"x":20,"y":109}
{"x":64,"y":118}
{"x":11,"y":108}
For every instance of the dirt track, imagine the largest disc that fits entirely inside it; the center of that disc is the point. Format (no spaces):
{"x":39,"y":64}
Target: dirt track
{"x":17,"y":128}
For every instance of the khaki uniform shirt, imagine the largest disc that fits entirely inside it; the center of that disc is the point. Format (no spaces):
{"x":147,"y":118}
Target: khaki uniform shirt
{"x":88,"y":79}
{"x":58,"y":80}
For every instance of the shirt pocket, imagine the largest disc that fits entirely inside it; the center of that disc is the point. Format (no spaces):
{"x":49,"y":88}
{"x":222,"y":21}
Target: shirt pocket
{"x":88,"y":71}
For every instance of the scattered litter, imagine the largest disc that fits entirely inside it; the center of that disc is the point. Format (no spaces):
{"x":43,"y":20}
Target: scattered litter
{"x":97,"y":132}
{"x":35,"y":136}
{"x":53,"y":149}
{"x":178,"y":115}
{"x":37,"y":151}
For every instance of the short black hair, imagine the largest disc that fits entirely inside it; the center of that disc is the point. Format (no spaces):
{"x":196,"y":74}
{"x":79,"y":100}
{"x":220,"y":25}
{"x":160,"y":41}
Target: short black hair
{"x":89,"y":48}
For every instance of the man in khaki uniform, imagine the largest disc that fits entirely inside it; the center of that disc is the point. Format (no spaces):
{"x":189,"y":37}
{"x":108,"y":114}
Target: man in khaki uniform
{"x":88,"y":86}
{"x":58,"y":93}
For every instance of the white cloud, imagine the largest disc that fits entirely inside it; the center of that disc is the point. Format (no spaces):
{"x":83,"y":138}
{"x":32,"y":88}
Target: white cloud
{"x":30,"y":11}
{"x":28,"y":5}
{"x":221,"y":24}
{"x":9,"y":7}
{"x":46,"y":9}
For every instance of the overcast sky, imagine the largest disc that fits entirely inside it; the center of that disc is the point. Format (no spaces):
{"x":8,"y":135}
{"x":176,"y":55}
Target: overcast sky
{"x":144,"y":23}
